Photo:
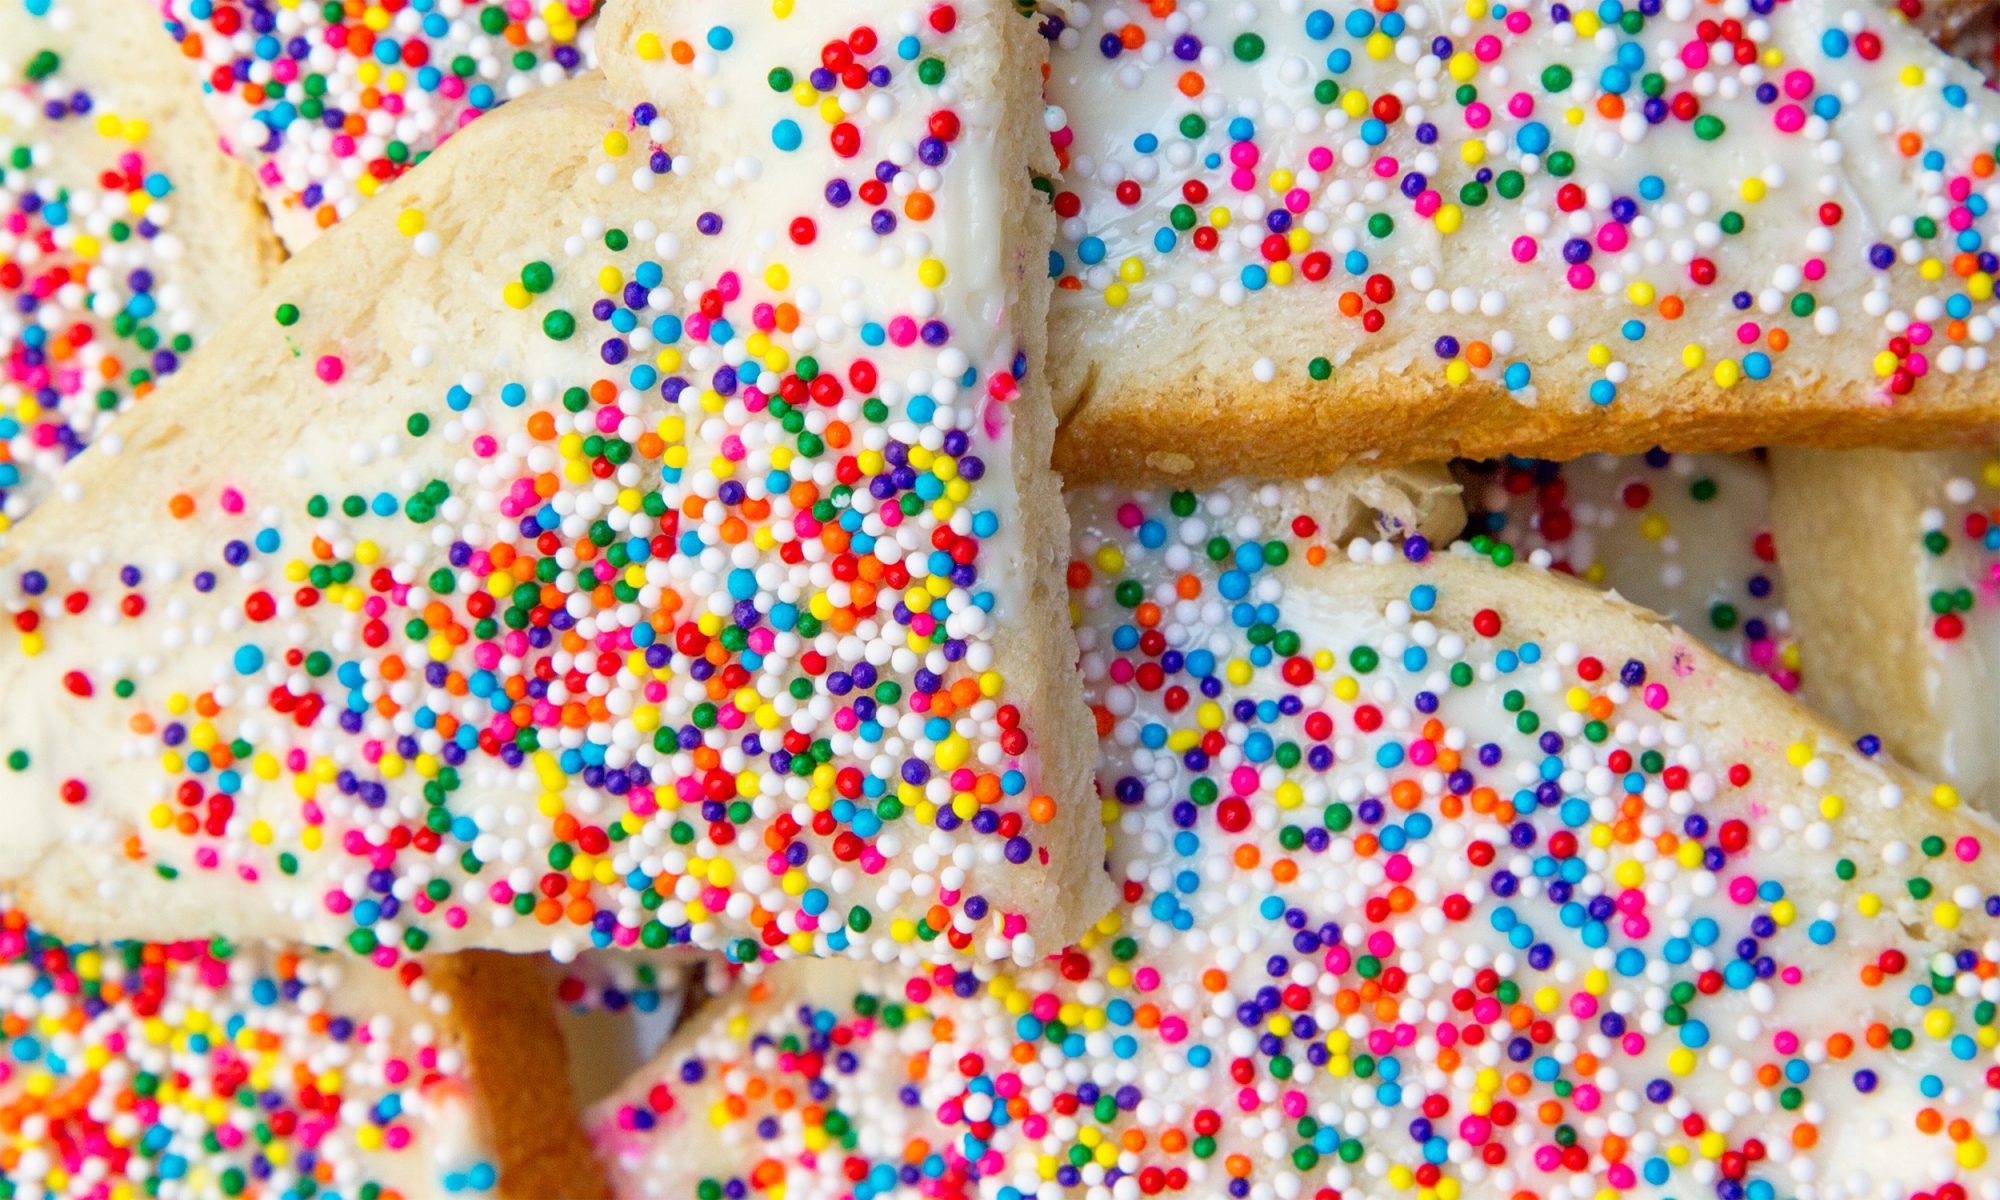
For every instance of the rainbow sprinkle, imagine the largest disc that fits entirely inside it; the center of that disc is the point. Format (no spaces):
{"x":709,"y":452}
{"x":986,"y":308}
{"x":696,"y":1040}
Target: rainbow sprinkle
{"x":1448,"y":175}
{"x":687,"y":633}
{"x":1417,"y":901}
{"x":331,"y":100}
{"x":1687,"y":536}
{"x":205,"y":1069}
{"x":91,"y":312}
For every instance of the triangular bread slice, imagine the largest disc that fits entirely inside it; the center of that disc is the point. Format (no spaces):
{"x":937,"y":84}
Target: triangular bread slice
{"x":211,"y":1069}
{"x":329,"y":103}
{"x":126,"y":236}
{"x":1294,"y":237}
{"x":635,"y":530}
{"x":1891,"y":566}
{"x":1466,"y":880}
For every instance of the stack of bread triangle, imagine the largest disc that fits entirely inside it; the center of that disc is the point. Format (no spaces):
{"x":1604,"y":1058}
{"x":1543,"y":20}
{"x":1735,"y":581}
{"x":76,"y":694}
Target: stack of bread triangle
{"x":1014,"y":551}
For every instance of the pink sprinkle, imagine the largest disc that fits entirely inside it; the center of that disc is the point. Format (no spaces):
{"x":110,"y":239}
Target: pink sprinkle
{"x":329,"y":368}
{"x":1525,"y":249}
{"x":1656,"y":696}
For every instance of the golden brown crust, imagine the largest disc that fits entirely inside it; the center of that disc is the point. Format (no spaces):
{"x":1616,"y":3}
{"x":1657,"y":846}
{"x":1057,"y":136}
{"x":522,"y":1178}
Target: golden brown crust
{"x":1204,"y":428}
{"x":505,"y":1010}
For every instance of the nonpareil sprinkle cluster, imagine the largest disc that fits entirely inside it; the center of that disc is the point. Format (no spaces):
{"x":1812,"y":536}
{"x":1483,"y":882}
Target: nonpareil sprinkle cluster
{"x":1532,"y":193}
{"x":1413,"y":905}
{"x":689,"y":633}
{"x":331,"y":99}
{"x":90,"y":314}
{"x":199,"y":1068}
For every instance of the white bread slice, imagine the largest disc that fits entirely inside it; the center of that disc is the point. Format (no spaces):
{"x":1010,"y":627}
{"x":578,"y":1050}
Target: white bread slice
{"x":1896,"y":602}
{"x":307,"y":101}
{"x":1685,"y":535}
{"x":196,"y":1068}
{"x":405,"y":315}
{"x":1362,"y":977}
{"x":90,"y":90}
{"x":1196,"y":371}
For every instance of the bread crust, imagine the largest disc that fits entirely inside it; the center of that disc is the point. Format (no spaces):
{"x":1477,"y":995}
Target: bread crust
{"x":505,"y":1010}
{"x":1122,"y":426}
